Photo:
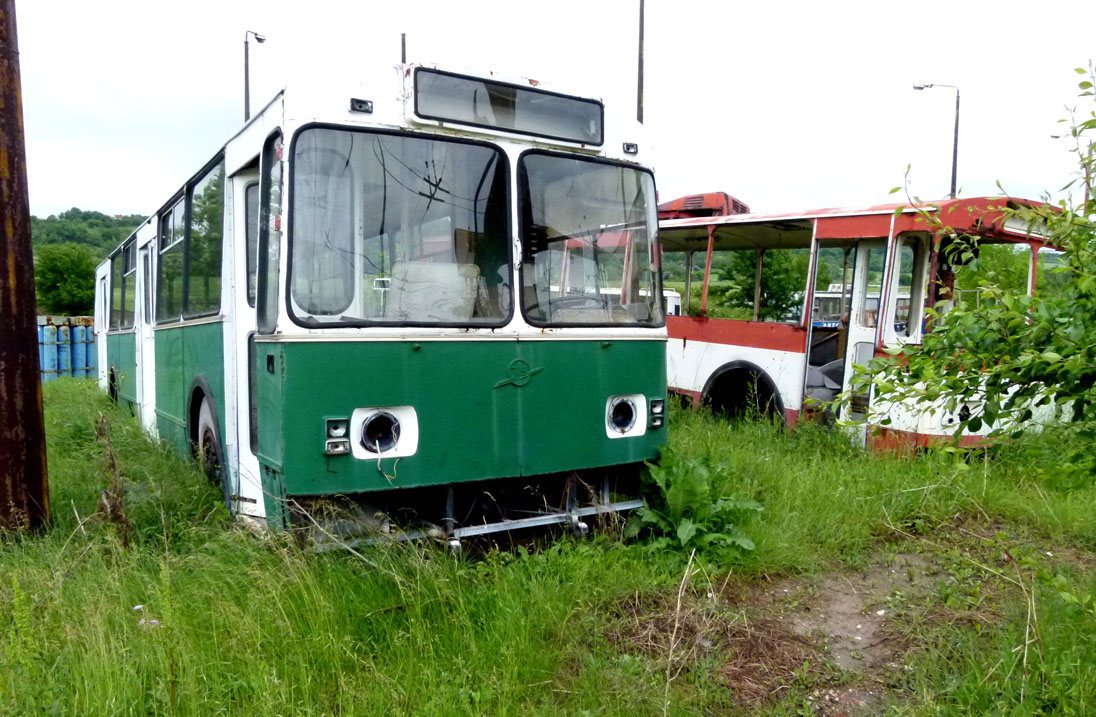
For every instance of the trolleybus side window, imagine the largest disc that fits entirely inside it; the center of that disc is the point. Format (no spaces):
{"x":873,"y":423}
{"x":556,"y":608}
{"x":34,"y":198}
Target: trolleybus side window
{"x":906,"y":292}
{"x":251,"y":234}
{"x":398,"y":229}
{"x":116,"y":266}
{"x":169,"y":285}
{"x":270,"y":211}
{"x":872,"y":281}
{"x":589,"y":242}
{"x":206,"y":200}
{"x":129,"y":284}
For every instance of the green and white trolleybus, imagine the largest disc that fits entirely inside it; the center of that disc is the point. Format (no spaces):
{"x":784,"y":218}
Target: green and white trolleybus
{"x":425,"y":299}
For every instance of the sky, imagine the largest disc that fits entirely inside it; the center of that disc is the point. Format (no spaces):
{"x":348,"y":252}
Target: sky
{"x":784,"y":105}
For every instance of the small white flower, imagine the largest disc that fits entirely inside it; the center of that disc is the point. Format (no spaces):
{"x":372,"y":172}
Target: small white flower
{"x":138,"y":607}
{"x":880,"y":613}
{"x":1050,"y":554}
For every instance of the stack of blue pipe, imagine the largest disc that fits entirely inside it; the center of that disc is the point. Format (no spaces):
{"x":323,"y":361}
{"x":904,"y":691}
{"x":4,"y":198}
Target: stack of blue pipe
{"x":66,"y":347}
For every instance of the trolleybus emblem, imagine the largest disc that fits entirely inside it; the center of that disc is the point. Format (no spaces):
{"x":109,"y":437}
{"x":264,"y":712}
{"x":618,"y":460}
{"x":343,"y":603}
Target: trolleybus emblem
{"x":518,"y":374}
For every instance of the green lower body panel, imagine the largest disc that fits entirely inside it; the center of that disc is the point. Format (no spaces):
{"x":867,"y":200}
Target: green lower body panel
{"x":187,"y":354}
{"x":122,"y":360}
{"x":484,"y":409}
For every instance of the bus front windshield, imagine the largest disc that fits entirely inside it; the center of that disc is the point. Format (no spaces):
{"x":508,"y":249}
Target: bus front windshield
{"x":398,"y":229}
{"x":589,"y":243}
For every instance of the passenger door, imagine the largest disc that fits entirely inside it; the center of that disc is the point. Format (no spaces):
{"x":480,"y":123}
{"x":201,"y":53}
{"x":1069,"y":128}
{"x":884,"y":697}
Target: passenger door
{"x":146,"y":343}
{"x":240,"y":414}
{"x":869,"y":278}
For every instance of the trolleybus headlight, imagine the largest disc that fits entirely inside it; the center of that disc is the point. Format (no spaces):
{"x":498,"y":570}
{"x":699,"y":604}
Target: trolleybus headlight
{"x":338,"y":427}
{"x":622,"y":414}
{"x":380,"y":432}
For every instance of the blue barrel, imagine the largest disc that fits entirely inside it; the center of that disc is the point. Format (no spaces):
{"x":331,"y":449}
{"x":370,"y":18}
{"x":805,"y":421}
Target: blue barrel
{"x":92,"y":360}
{"x":48,"y":349}
{"x":64,"y":352}
{"x":79,"y":351}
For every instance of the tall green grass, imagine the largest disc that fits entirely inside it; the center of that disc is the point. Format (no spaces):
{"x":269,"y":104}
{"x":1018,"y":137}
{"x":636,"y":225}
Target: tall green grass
{"x":235,"y":623}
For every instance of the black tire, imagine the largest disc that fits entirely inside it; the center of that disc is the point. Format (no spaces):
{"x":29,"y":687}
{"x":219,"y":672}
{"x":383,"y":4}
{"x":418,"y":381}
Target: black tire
{"x":210,"y":454}
{"x":112,"y":385}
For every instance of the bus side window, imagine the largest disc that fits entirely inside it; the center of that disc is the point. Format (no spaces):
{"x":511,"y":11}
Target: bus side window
{"x":873,"y":287}
{"x":129,"y":284}
{"x":169,"y":283}
{"x":116,"y":265}
{"x":906,"y":288}
{"x":1051,"y":272}
{"x":251,"y":236}
{"x":206,"y":201}
{"x":269,"y":246}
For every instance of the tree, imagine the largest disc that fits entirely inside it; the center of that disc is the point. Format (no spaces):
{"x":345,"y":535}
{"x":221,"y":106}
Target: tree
{"x":783,"y":281}
{"x":64,"y":275}
{"x":1015,"y":353}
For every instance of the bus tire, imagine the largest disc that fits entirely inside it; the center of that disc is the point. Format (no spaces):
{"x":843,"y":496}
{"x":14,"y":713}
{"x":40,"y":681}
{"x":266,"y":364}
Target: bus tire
{"x":112,"y":385}
{"x":210,"y":454}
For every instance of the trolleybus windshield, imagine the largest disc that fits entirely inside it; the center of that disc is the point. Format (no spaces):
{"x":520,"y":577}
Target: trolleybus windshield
{"x":589,"y":243}
{"x":398,"y":229}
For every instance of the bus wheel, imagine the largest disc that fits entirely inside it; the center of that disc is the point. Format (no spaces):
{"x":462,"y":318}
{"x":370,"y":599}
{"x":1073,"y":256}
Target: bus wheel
{"x":112,"y":385}
{"x":209,"y":449}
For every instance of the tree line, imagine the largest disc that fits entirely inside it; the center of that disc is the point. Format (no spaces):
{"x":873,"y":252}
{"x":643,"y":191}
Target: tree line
{"x":67,"y":248}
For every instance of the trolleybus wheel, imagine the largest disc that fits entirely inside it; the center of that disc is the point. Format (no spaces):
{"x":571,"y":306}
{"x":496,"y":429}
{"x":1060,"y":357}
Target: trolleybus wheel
{"x":209,"y":450}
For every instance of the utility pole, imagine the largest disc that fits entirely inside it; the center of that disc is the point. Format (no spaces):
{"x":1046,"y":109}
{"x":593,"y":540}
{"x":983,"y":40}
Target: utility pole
{"x":24,"y":490}
{"x":639,"y":78}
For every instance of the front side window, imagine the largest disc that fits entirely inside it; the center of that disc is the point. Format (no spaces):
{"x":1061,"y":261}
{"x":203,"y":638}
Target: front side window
{"x":589,"y":243}
{"x":398,"y":229}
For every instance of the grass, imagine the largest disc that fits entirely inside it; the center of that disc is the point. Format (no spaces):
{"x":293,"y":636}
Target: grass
{"x":235,"y":623}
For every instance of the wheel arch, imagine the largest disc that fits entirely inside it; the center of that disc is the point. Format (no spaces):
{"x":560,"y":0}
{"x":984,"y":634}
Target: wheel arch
{"x":743,"y":373}
{"x":199,"y":391}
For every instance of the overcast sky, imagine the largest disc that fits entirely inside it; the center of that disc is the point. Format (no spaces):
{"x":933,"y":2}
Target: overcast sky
{"x":785,"y":105}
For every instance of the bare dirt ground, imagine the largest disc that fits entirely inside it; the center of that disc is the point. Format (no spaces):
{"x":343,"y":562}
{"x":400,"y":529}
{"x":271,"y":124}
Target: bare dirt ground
{"x":836,"y":631}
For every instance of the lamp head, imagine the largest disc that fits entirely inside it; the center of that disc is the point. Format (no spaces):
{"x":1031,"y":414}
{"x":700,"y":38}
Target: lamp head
{"x":921,"y":87}
{"x":260,"y":38}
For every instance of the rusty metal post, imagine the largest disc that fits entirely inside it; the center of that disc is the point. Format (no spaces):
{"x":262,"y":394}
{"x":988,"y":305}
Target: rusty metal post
{"x":24,"y":490}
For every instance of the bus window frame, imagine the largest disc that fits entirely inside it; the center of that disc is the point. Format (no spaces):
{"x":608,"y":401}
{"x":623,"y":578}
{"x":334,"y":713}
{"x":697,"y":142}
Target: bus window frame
{"x":654,"y":238}
{"x":129,"y":282}
{"x":504,"y":167}
{"x":165,"y":213}
{"x":193,"y":182}
{"x":497,"y":128}
{"x":273,"y":152}
{"x":251,"y":255}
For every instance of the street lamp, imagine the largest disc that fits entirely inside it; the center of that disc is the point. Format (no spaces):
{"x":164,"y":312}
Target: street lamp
{"x":247,"y":77}
{"x":955,"y":144}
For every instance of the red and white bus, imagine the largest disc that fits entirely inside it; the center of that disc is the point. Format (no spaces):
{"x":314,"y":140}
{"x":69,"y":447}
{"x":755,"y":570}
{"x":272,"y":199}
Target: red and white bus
{"x":777,"y":307}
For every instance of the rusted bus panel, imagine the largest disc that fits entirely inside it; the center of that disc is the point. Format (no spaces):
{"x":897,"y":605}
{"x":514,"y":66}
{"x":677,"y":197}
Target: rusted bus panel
{"x":711,"y":204}
{"x":736,"y":332}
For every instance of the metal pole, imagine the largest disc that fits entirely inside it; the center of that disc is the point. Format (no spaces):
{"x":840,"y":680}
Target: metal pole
{"x":247,"y":84}
{"x":24,"y":489}
{"x":403,"y":48}
{"x":955,"y":145}
{"x":639,"y":89}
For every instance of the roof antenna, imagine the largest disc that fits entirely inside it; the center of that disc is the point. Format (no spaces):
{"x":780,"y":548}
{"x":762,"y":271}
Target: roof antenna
{"x":403,"y":47}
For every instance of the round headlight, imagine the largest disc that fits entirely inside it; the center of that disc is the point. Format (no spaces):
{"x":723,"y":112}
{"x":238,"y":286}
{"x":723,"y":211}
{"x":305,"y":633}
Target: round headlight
{"x":622,"y":414}
{"x":380,"y":432}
